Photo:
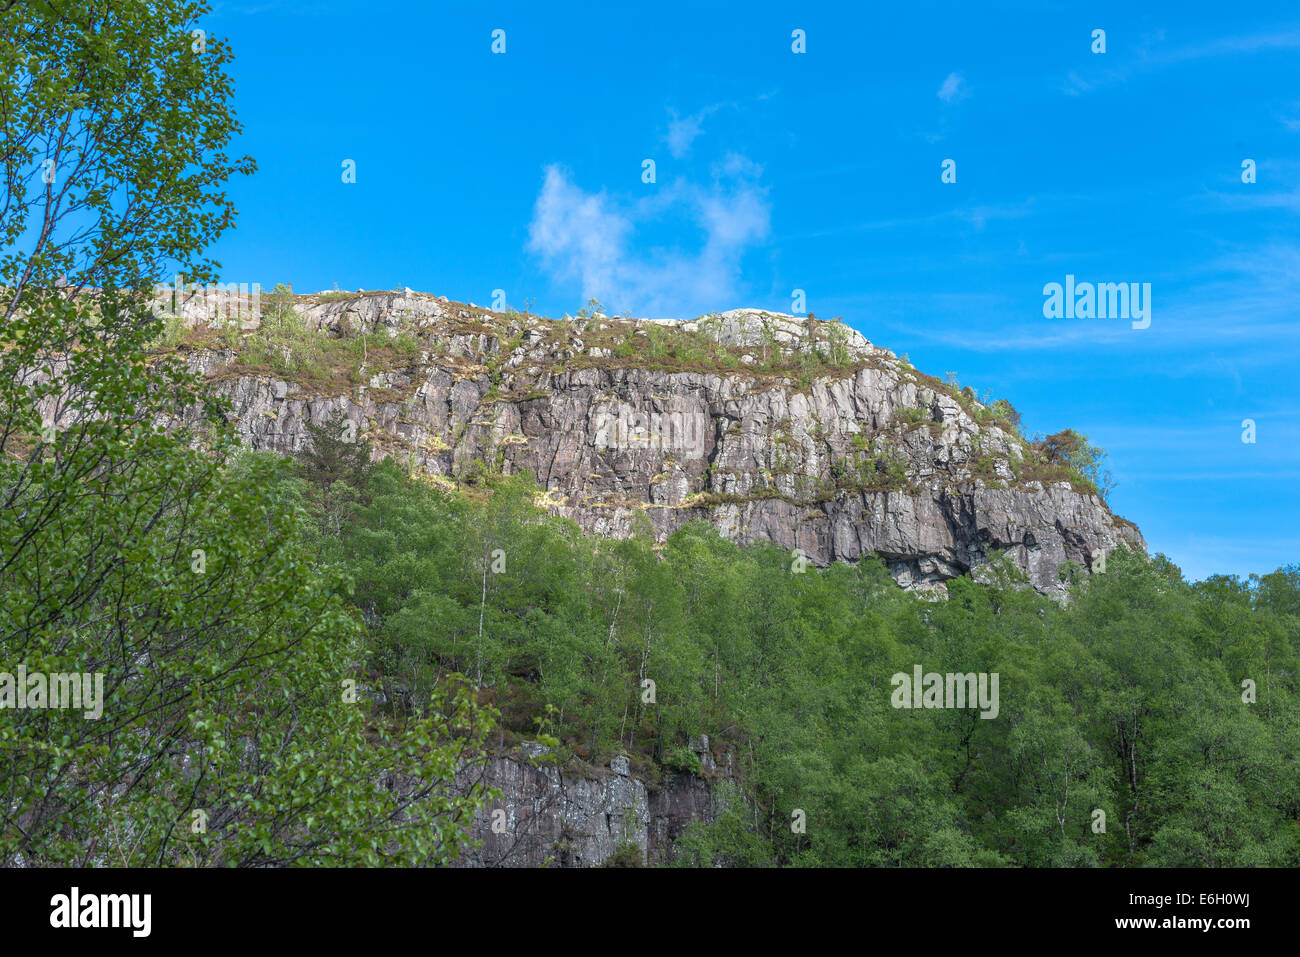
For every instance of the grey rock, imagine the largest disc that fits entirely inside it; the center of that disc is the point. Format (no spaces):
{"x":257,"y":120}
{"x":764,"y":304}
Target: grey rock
{"x":761,"y":458}
{"x":555,"y":818}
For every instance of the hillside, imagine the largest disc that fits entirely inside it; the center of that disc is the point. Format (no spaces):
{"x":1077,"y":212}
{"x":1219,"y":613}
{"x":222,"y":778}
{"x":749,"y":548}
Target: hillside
{"x":771,"y":427}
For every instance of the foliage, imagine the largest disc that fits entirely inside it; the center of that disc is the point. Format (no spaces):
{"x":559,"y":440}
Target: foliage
{"x":1126,"y":699}
{"x":136,"y":545}
{"x":115,"y":130}
{"x":914,"y":417}
{"x":1069,"y":450}
{"x":1006,"y":412}
{"x":627,"y":855}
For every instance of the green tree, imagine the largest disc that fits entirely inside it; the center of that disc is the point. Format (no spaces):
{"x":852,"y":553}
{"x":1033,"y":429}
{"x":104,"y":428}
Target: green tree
{"x":1070,"y":449}
{"x":130,"y":545}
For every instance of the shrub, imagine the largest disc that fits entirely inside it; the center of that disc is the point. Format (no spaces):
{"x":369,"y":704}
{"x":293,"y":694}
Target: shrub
{"x":913,"y":417}
{"x":627,"y":855}
{"x":1069,"y":451}
{"x":685,"y":760}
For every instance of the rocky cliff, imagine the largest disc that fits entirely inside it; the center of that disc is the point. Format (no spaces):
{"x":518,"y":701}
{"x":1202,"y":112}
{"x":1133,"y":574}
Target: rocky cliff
{"x":549,"y":817}
{"x":771,"y":427}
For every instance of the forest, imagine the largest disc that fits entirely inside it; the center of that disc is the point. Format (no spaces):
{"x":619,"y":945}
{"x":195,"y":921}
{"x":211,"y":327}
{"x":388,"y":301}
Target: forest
{"x":293,"y":660}
{"x":1146,"y":720}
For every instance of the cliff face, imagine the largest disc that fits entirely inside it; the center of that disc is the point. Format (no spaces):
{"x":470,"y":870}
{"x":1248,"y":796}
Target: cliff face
{"x":771,"y":427}
{"x":546,"y":817}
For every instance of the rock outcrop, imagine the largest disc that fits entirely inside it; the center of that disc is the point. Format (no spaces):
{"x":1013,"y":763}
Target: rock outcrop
{"x":773,"y":428}
{"x":547,"y":817}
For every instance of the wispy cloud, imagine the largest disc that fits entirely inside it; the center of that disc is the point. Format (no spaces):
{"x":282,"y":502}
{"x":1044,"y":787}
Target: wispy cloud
{"x":1152,"y":57}
{"x":1250,"y":305}
{"x":1252,"y":199}
{"x":1201,"y":556}
{"x":1175,"y":325}
{"x":684,"y":130}
{"x":591,"y":238}
{"x":954,"y":89}
{"x":1227,"y":46}
{"x":1272,"y":475}
{"x":1075,"y":85}
{"x":977,"y":216}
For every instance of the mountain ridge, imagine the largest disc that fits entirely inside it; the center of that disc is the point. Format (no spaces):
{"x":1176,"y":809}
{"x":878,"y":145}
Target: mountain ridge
{"x":773,"y":427}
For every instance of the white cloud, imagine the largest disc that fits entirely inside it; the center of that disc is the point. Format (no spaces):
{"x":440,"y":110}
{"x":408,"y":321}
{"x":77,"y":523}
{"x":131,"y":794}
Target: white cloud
{"x":1226,"y":46}
{"x":682,"y":131}
{"x":590,"y":238}
{"x":954,"y":89}
{"x":578,"y":230}
{"x":1075,"y":85}
{"x":979,"y":216}
{"x":1153,"y":57}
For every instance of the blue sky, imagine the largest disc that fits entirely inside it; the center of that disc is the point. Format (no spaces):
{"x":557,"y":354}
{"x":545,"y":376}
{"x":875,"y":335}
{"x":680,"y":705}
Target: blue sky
{"x":821,"y":171}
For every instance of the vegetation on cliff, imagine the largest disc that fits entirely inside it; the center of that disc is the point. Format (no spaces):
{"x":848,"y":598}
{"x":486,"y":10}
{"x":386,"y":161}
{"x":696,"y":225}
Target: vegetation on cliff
{"x":519,"y":357}
{"x":292,"y":662}
{"x":1126,"y":700}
